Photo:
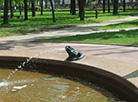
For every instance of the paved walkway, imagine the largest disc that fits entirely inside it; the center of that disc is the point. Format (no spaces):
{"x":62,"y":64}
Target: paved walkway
{"x":117,"y":59}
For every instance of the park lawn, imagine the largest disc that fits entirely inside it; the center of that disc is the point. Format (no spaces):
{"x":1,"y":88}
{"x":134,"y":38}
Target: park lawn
{"x":18,"y":26}
{"x":121,"y":37}
{"x":133,"y":23}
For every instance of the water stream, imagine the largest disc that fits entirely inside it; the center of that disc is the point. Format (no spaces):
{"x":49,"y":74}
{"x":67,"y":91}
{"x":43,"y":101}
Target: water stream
{"x":27,"y":60}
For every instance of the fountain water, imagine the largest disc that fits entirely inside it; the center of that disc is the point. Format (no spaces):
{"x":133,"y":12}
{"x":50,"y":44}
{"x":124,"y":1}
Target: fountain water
{"x":50,"y":90}
{"x":5,"y":82}
{"x":27,"y":60}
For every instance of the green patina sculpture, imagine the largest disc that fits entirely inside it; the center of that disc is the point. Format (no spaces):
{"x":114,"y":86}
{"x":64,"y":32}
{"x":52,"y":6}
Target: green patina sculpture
{"x":74,"y":54}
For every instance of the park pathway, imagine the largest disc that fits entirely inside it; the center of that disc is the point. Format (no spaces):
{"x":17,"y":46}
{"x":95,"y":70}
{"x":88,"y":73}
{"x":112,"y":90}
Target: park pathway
{"x":80,"y":29}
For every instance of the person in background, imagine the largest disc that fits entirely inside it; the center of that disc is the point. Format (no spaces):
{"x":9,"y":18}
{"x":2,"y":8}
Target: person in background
{"x":15,"y":8}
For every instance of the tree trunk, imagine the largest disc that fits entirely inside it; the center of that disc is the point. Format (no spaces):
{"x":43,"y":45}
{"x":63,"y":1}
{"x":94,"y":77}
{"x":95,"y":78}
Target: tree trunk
{"x":124,"y":5}
{"x":108,"y":6}
{"x":99,"y":2}
{"x":115,"y":10}
{"x":46,"y":4}
{"x":63,"y":3}
{"x":20,"y":8}
{"x":54,"y":20}
{"x":5,"y":11}
{"x":79,"y":7}
{"x":25,"y":10}
{"x":74,"y":7}
{"x":103,"y":6}
{"x":11,"y":9}
{"x":82,"y":11}
{"x":37,"y":2}
{"x":41,"y":7}
{"x":0,"y":9}
{"x":71,"y":7}
{"x":33,"y":8}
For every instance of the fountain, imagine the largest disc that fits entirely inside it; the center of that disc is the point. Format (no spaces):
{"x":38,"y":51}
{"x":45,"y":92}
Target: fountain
{"x":120,"y":87}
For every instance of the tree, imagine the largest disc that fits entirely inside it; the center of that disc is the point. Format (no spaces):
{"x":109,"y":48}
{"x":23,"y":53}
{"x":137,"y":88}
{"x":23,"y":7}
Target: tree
{"x":5,"y":11}
{"x":63,"y":2}
{"x":46,"y":4}
{"x":73,"y":7}
{"x":41,"y":7}
{"x":124,"y":5}
{"x":20,"y":6}
{"x":81,"y":9}
{"x":25,"y":10}
{"x":53,"y":14}
{"x":115,"y":9}
{"x":108,"y":6}
{"x":11,"y":8}
{"x":0,"y":8}
{"x":103,"y":6}
{"x":33,"y":8}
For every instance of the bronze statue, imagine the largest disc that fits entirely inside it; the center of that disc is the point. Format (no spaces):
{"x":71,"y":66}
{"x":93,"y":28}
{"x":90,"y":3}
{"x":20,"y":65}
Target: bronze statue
{"x":74,"y":54}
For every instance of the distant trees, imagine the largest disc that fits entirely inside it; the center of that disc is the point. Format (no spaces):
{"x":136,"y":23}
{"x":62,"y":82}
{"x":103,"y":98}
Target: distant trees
{"x":33,"y":5}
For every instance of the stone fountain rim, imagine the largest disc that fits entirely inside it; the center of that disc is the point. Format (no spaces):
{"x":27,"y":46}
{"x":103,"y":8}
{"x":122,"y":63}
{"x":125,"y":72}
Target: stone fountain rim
{"x":114,"y":82}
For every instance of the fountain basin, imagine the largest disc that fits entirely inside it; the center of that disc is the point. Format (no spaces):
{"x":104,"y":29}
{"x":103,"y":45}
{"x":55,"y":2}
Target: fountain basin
{"x":114,"y":83}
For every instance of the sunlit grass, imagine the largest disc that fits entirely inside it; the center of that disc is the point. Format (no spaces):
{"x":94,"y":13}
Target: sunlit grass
{"x":133,"y":23}
{"x":121,"y":37}
{"x":44,"y":22}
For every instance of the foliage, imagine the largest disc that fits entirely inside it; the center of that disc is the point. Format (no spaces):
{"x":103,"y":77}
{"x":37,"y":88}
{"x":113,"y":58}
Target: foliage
{"x":63,"y":2}
{"x":58,"y":1}
{"x":120,"y":7}
{"x":132,"y":6}
{"x":36,"y":8}
{"x":93,"y":5}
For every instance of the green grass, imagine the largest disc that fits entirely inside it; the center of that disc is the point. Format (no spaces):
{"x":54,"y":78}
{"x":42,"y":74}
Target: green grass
{"x":121,"y":37}
{"x":133,"y":23}
{"x":18,"y":26}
